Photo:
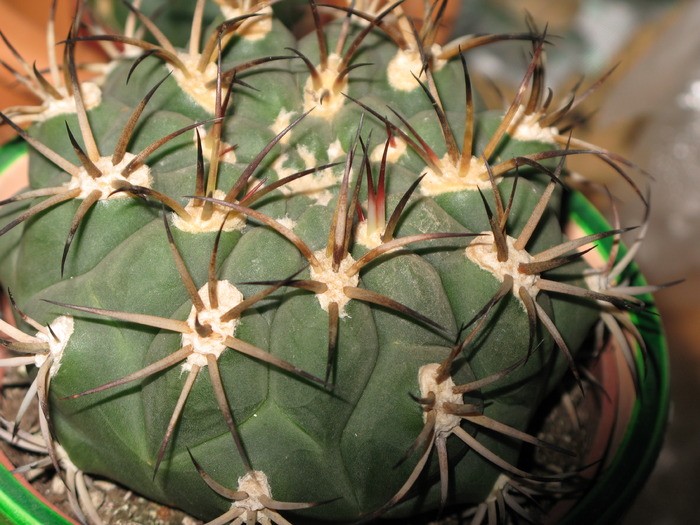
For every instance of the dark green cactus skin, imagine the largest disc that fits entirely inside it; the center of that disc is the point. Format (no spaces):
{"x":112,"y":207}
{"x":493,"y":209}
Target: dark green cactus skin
{"x":314,"y":443}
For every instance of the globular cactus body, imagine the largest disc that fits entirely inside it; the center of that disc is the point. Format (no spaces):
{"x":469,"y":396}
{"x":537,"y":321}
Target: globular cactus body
{"x":287,"y":334}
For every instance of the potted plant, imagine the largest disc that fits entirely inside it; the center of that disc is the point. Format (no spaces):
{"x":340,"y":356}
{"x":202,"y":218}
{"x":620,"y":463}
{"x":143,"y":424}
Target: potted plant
{"x":314,"y":277}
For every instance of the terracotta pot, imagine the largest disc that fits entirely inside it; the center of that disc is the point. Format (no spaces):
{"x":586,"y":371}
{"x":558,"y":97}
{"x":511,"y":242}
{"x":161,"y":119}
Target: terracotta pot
{"x":626,"y":441}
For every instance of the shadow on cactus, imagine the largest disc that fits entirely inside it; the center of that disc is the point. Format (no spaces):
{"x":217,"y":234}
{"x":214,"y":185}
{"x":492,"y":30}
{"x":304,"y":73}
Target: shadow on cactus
{"x":382,"y":303}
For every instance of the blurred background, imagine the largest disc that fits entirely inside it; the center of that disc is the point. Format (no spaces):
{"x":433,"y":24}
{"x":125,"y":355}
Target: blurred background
{"x":647,"y":110}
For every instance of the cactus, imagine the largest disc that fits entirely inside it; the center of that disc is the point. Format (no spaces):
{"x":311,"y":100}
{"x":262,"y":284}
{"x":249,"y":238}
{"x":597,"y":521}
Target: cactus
{"x":263,"y":275}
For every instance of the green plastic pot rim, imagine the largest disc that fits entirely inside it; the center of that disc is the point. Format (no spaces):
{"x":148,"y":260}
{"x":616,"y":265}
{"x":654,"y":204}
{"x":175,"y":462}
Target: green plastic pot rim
{"x":20,"y":504}
{"x":13,"y":162}
{"x":614,"y":488}
{"x":632,"y":461}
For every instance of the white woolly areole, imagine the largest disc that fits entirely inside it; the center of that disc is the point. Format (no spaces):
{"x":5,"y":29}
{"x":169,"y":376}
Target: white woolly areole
{"x":282,"y":121}
{"x":287,"y":222}
{"x":91,"y":93}
{"x":208,"y":145}
{"x":370,"y":239}
{"x":195,"y":85}
{"x":450,"y":180}
{"x":307,"y":156}
{"x":213,"y":344}
{"x":335,"y":150}
{"x":528,"y":127}
{"x":316,"y":186}
{"x":253,"y":28}
{"x":335,"y":281}
{"x":598,"y":282}
{"x":255,"y":484}
{"x":397,"y":147}
{"x":482,"y":251}
{"x":110,"y":179}
{"x":327,"y":100}
{"x":407,"y":63}
{"x":366,"y":238}
{"x":443,"y":392}
{"x":219,"y":214}
{"x":62,"y":327}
